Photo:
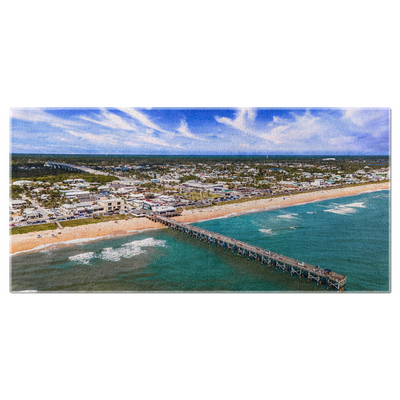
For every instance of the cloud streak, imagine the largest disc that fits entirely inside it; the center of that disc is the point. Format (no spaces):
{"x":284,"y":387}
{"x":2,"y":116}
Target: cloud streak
{"x":203,"y":131}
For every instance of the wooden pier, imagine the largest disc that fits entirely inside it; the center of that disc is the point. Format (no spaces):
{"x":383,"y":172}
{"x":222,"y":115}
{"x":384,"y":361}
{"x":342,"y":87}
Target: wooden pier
{"x":331,"y":279}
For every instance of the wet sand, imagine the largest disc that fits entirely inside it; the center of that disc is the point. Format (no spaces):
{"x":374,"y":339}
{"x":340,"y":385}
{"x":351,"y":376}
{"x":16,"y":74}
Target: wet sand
{"x":72,"y":235}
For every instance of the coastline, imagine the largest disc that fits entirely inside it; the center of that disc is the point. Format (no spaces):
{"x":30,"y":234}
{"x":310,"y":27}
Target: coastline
{"x":73,"y":235}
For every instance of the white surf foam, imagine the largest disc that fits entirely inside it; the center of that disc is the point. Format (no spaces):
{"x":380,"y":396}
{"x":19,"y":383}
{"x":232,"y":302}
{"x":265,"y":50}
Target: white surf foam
{"x":265,"y":230}
{"x":129,"y":250}
{"x":58,"y":244}
{"x":341,"y":210}
{"x":83,"y":258}
{"x":357,"y":205}
{"x":310,"y":212}
{"x":345,"y":209}
{"x":288,"y":216}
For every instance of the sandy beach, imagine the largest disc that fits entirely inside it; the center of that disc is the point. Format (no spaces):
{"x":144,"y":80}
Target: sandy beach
{"x":70,"y":236}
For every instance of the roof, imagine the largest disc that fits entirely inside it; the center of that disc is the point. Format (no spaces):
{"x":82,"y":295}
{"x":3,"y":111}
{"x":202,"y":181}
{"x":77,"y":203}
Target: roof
{"x":18,"y":202}
{"x":22,"y":182}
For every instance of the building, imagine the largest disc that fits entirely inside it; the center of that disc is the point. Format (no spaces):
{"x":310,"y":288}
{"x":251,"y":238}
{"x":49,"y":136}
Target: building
{"x":201,"y":186}
{"x":138,"y":196}
{"x":166,"y":199}
{"x":71,"y":209}
{"x":78,"y":194}
{"x":318,"y":182}
{"x":31,"y":213}
{"x":21,"y":183}
{"x":163,"y":209}
{"x":17,"y":204}
{"x":112,"y":204}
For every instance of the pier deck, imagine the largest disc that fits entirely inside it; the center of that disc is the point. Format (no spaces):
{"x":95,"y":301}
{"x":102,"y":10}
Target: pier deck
{"x":278,"y":261}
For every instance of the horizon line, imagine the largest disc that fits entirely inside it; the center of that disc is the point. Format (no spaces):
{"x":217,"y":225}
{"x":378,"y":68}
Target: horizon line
{"x":187,"y":155}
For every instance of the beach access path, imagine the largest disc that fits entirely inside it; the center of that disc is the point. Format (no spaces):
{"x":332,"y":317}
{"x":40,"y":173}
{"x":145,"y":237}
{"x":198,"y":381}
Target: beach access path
{"x":73,"y":235}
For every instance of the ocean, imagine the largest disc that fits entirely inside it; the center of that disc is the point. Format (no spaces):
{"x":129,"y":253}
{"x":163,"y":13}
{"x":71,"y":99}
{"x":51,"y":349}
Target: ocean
{"x":350,"y":235}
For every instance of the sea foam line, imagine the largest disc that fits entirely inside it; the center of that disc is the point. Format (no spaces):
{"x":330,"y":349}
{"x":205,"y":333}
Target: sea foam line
{"x":65,"y":243}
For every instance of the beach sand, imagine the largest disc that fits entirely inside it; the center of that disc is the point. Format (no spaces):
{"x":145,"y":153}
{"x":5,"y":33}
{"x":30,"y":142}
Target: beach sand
{"x":69,"y":236}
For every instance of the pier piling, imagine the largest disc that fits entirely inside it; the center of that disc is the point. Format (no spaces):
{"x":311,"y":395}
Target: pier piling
{"x":277,"y":261}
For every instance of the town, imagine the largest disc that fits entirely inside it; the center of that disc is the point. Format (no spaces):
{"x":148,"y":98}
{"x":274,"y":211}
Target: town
{"x":48,"y":191}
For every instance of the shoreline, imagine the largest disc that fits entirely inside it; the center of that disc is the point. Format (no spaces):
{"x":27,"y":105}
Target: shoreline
{"x":80,"y":234}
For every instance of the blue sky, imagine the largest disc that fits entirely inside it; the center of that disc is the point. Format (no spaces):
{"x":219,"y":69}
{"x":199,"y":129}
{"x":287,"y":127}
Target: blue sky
{"x":340,"y":131}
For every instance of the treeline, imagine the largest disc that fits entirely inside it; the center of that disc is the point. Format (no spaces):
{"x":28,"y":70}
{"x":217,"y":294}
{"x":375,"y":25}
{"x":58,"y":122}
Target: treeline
{"x":100,"y":160}
{"x":62,"y":176}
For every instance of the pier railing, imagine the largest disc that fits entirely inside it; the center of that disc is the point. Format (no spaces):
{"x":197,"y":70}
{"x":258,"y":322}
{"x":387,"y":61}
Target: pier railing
{"x":313,"y":273}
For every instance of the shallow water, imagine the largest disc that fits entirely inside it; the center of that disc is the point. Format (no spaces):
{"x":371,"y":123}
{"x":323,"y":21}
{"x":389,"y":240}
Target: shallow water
{"x":350,"y":235}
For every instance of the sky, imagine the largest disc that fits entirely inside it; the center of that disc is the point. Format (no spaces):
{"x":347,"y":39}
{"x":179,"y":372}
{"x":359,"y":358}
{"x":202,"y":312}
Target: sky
{"x":180,"y":131}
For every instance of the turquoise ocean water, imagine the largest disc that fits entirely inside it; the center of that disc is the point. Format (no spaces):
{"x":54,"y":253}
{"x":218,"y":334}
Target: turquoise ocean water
{"x":350,"y":235}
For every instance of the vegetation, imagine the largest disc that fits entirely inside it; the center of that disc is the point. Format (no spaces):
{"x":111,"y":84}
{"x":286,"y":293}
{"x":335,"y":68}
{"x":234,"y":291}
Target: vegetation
{"x":48,"y":176}
{"x":89,"y":221}
{"x":70,"y":223}
{"x":16,"y":191}
{"x":19,"y":230}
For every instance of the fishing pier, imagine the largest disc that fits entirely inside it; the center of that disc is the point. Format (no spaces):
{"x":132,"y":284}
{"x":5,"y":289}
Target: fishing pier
{"x":331,"y":279}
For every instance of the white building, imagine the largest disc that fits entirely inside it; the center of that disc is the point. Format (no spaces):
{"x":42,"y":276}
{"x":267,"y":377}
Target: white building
{"x":113,"y":204}
{"x":163,"y":209}
{"x":202,"y":186}
{"x":318,"y":182}
{"x":21,"y":183}
{"x":137,"y":196}
{"x":31,"y":213}
{"x":137,"y":203}
{"x":17,"y":204}
{"x":78,"y":194}
{"x":71,"y":209}
{"x":166,"y":199}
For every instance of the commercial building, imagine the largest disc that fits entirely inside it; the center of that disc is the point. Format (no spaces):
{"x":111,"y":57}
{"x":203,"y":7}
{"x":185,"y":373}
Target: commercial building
{"x":21,"y":183}
{"x":163,"y":209}
{"x":318,"y":182}
{"x":31,"y":213}
{"x":78,"y":194}
{"x":71,"y":209}
{"x":112,"y":204}
{"x":202,"y":186}
{"x":16,"y":204}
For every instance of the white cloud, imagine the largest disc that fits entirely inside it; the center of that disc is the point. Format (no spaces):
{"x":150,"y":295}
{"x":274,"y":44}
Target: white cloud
{"x":98,"y":139}
{"x":184,"y":130}
{"x":363,"y":116}
{"x":278,"y":131}
{"x":243,"y":117}
{"x":157,"y":141}
{"x":111,"y":120}
{"x":143,"y":119}
{"x":37,"y":115}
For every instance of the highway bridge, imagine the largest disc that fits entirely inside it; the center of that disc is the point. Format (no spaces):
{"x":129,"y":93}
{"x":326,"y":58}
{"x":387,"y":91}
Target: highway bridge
{"x":72,"y":167}
{"x":321,"y":276}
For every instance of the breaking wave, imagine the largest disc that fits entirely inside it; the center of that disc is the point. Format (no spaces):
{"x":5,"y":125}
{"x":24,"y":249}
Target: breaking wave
{"x":288,"y":216}
{"x":83,"y":258}
{"x":265,"y":230}
{"x":345,"y":209}
{"x":127,"y":250}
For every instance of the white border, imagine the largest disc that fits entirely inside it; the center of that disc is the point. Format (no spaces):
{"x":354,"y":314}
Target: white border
{"x":209,"y":54}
